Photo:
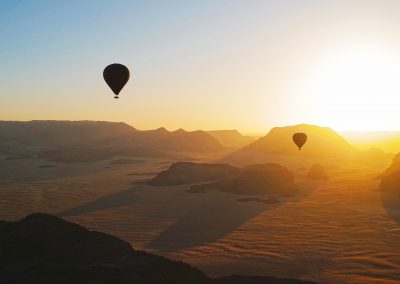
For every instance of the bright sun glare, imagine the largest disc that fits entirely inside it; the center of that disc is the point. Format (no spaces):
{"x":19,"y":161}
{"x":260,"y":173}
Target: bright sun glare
{"x":356,"y":88}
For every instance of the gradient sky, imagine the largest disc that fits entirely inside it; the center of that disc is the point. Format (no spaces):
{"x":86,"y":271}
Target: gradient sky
{"x":209,"y":64}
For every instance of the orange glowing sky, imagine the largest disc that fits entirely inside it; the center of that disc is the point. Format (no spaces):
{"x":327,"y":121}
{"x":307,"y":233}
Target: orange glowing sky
{"x":249,"y":65}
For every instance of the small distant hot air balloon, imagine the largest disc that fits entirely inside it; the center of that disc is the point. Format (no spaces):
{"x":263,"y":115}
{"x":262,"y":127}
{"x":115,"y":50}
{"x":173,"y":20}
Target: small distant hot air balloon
{"x":116,"y":76}
{"x":300,"y":139}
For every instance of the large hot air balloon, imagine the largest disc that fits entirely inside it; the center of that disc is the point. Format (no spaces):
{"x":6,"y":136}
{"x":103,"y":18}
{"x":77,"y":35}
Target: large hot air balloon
{"x":300,"y":139}
{"x":116,"y":76}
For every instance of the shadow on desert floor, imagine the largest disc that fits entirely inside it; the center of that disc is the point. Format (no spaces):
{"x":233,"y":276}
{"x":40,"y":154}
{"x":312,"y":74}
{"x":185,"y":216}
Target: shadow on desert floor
{"x":122,"y":198}
{"x":197,"y":219}
{"x":215,"y":217}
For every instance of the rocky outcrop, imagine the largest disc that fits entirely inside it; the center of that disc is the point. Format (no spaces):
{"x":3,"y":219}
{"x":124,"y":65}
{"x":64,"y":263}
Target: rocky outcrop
{"x":187,"y":172}
{"x":391,"y":182}
{"x":394,"y":167}
{"x":390,"y":178}
{"x":45,"y":249}
{"x":317,"y":172}
{"x":255,"y":180}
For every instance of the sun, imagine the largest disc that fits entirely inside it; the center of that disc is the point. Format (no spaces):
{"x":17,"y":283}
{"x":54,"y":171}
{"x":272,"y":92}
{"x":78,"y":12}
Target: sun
{"x":356,"y":88}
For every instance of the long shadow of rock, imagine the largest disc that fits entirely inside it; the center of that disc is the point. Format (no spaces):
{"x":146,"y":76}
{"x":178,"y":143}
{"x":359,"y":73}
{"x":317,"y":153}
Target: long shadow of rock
{"x":110,"y":201}
{"x":214,"y":218}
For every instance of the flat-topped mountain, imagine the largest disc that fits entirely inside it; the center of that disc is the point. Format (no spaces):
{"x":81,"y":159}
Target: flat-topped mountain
{"x":76,"y":141}
{"x":322,"y":141}
{"x":231,"y":138}
{"x":44,"y":249}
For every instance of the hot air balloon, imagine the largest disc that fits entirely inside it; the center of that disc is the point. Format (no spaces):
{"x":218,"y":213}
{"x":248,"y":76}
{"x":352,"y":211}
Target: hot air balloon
{"x":116,"y":76}
{"x":300,"y":139}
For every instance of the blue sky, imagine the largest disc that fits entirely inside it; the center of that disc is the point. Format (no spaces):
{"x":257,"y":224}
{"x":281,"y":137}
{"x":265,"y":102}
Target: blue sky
{"x":195,"y":64}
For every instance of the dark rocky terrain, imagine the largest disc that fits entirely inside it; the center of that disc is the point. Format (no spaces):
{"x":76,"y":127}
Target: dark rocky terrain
{"x":390,"y":189}
{"x":255,"y":180}
{"x":390,"y":181}
{"x":243,"y":279}
{"x":249,"y":180}
{"x":44,"y":249}
{"x":188,"y":172}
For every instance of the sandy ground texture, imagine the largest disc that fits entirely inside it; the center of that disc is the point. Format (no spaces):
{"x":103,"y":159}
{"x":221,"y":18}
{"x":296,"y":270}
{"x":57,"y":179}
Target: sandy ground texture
{"x":339,"y":231}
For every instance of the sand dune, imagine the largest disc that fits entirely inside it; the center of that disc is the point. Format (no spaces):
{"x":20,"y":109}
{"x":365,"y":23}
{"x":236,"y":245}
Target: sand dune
{"x":337,"y":231}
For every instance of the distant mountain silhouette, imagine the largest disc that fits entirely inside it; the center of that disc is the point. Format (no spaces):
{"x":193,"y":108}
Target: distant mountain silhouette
{"x":188,"y":172}
{"x":44,"y":249}
{"x":80,"y":141}
{"x":231,"y":138}
{"x":180,"y":140}
{"x":322,"y":142}
{"x":254,"y":180}
{"x":317,"y":172}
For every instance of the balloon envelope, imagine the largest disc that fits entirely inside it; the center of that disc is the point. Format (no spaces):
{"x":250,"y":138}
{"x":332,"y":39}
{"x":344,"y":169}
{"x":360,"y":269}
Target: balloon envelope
{"x":300,"y":139}
{"x":116,"y":76}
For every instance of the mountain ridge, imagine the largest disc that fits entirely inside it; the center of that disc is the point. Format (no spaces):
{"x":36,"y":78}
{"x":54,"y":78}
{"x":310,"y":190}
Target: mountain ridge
{"x":231,"y":138}
{"x":82,"y":141}
{"x":322,"y":142}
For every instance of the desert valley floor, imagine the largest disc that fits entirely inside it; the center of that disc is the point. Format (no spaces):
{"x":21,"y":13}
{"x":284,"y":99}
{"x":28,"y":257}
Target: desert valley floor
{"x":339,"y":231}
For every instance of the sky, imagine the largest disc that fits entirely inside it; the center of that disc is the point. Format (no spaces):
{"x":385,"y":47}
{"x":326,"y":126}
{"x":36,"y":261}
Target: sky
{"x":210,"y":64}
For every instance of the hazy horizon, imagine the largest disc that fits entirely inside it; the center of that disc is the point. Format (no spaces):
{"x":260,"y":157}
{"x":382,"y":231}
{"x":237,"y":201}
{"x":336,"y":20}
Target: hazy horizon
{"x":241,"y":131}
